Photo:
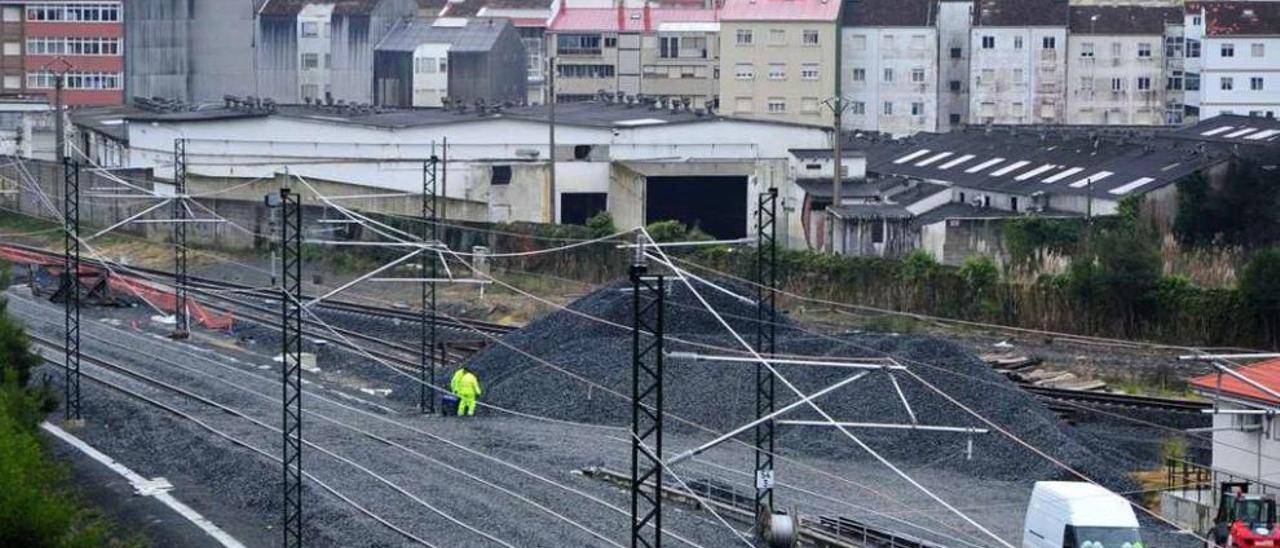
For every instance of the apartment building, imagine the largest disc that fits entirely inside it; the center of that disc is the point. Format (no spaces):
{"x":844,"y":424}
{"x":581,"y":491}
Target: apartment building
{"x":1018,"y":62}
{"x":778,"y":59}
{"x":1116,"y":64}
{"x":668,"y":52}
{"x":42,"y":39}
{"x":955,"y":23}
{"x":890,"y":66}
{"x":1233,"y":58}
{"x":315,"y":50}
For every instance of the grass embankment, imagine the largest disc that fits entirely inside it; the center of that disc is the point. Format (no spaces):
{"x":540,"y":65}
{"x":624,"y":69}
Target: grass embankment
{"x":37,"y":507}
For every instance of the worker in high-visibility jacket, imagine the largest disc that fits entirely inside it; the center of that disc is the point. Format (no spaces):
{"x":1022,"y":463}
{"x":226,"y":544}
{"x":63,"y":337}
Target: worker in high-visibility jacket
{"x":468,"y":391}
{"x":457,"y":379}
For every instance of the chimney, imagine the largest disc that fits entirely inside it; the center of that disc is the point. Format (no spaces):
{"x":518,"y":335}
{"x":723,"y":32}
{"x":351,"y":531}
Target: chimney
{"x":647,"y":21}
{"x":622,"y":15}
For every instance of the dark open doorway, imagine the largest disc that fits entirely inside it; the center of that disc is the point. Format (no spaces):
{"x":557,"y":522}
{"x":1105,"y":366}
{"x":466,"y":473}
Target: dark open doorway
{"x":717,"y":205}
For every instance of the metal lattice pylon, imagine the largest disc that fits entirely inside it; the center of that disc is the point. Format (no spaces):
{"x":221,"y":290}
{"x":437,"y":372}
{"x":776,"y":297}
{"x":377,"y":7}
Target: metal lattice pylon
{"x":430,"y":264}
{"x":182,"y":319}
{"x":648,"y":302}
{"x":71,"y":287}
{"x":291,"y":363}
{"x":766,"y":338}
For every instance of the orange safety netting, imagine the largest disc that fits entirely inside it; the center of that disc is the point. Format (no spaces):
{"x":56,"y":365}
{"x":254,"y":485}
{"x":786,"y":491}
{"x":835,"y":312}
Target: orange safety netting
{"x":163,"y":298}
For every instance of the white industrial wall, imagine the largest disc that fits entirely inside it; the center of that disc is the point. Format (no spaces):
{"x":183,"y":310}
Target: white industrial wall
{"x":1236,"y":451}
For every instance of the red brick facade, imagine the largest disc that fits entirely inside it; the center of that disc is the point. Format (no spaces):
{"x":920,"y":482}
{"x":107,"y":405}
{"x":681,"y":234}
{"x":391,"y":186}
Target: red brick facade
{"x":86,"y":38}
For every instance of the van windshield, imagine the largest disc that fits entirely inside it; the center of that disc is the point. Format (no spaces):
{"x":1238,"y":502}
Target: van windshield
{"x":1102,"y":537}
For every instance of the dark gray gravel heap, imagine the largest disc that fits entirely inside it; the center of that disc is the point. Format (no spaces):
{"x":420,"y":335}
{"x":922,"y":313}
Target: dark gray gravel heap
{"x":719,"y":395}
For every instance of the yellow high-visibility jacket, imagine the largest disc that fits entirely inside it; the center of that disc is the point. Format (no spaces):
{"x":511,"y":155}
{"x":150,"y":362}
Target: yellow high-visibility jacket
{"x":456,"y":381}
{"x":469,"y":386}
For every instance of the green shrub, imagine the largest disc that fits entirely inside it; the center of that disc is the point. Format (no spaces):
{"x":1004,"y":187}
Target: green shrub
{"x":601,"y":225}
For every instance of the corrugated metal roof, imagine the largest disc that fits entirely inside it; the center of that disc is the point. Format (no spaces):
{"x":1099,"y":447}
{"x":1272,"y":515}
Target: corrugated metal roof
{"x":890,"y":13}
{"x":1120,"y":20}
{"x":477,"y":35}
{"x":780,"y":10}
{"x":1266,"y":373}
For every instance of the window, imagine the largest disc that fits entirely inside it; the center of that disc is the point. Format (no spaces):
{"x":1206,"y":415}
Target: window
{"x":1193,"y":81}
{"x":1228,"y":50}
{"x":1117,"y":85}
{"x":955,"y":119}
{"x":424,"y":65}
{"x":45,"y":79}
{"x":777,"y":105}
{"x":955,"y":85}
{"x":857,"y":107}
{"x":1227,"y":83}
{"x":1086,"y":83}
{"x":809,"y":71}
{"x":694,"y":46}
{"x":310,"y":91}
{"x":12,"y":81}
{"x":1049,"y":42}
{"x":1013,"y":203}
{"x":500,"y":175}
{"x":1086,"y":49}
{"x":1193,"y":48}
{"x":888,"y":75}
{"x":1196,"y":21}
{"x":1257,"y":50}
{"x":1018,"y":76}
{"x":668,"y":47}
{"x":809,"y":105}
{"x":889,"y":42}
{"x":888,"y":108}
{"x":12,"y":14}
{"x":859,"y":75}
{"x":745,"y":71}
{"x":13,"y":48}
{"x":987,"y":76}
{"x":917,"y":41}
{"x":956,"y":53}
{"x":89,"y":12}
{"x":610,"y":41}
{"x":917,"y":109}
{"x":310,"y":61}
{"x":777,"y":71}
{"x":917,"y":75}
{"x":1174,"y":82}
{"x":1255,"y":83}
{"x":745,"y":37}
{"x":1017,"y":42}
{"x":859,"y":42}
{"x":1144,"y":83}
{"x":810,"y":37}
{"x":578,"y":44}
{"x":777,"y":37}
{"x":1144,"y":50}
{"x":49,"y":45}
{"x":877,"y":231}
{"x":742,"y":104}
{"x":443,"y":65}
{"x":310,"y":29}
{"x":988,"y":42}
{"x":585,"y":71}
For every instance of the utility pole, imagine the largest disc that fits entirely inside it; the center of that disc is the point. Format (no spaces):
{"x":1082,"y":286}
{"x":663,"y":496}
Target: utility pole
{"x":291,"y":364}
{"x":429,"y":261}
{"x":766,"y":335}
{"x":837,"y":105}
{"x":647,"y":348}
{"x":181,"y":326}
{"x":71,"y":287}
{"x":551,"y":137}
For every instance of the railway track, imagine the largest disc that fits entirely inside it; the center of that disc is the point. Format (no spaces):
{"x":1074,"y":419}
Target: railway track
{"x":1118,"y":400}
{"x":260,"y":388}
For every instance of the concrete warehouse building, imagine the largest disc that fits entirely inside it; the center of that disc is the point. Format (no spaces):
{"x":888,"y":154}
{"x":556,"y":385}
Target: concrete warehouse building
{"x":640,"y":162}
{"x":422,"y":63}
{"x":990,"y":175}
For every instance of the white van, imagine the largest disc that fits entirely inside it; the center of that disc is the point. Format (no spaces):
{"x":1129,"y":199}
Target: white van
{"x":1070,"y":514}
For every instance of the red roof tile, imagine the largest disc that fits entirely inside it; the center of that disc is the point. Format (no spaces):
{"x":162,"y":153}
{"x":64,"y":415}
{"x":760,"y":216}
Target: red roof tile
{"x":780,"y":10}
{"x":631,"y":20}
{"x":1265,"y":373}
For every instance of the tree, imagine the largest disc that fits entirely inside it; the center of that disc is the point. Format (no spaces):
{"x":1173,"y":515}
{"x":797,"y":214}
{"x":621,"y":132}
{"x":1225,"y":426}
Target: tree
{"x":1260,"y":286}
{"x":16,"y":357}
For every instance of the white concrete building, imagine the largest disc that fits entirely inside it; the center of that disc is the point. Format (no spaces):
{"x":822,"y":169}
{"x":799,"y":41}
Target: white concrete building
{"x":890,"y":66}
{"x":639,"y":163}
{"x":1018,"y":64}
{"x":1246,"y":434}
{"x":1116,"y":65}
{"x":1239,"y":58}
{"x":955,"y":22}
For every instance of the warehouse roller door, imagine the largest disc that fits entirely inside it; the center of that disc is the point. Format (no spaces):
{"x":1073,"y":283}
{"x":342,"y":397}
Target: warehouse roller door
{"x":716,"y":204}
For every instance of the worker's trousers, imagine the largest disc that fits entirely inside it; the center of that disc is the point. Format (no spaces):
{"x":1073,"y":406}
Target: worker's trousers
{"x":466,"y":405}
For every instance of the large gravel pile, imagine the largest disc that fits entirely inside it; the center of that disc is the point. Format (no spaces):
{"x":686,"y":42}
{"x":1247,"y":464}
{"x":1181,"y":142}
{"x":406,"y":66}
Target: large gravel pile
{"x":720,"y":395}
